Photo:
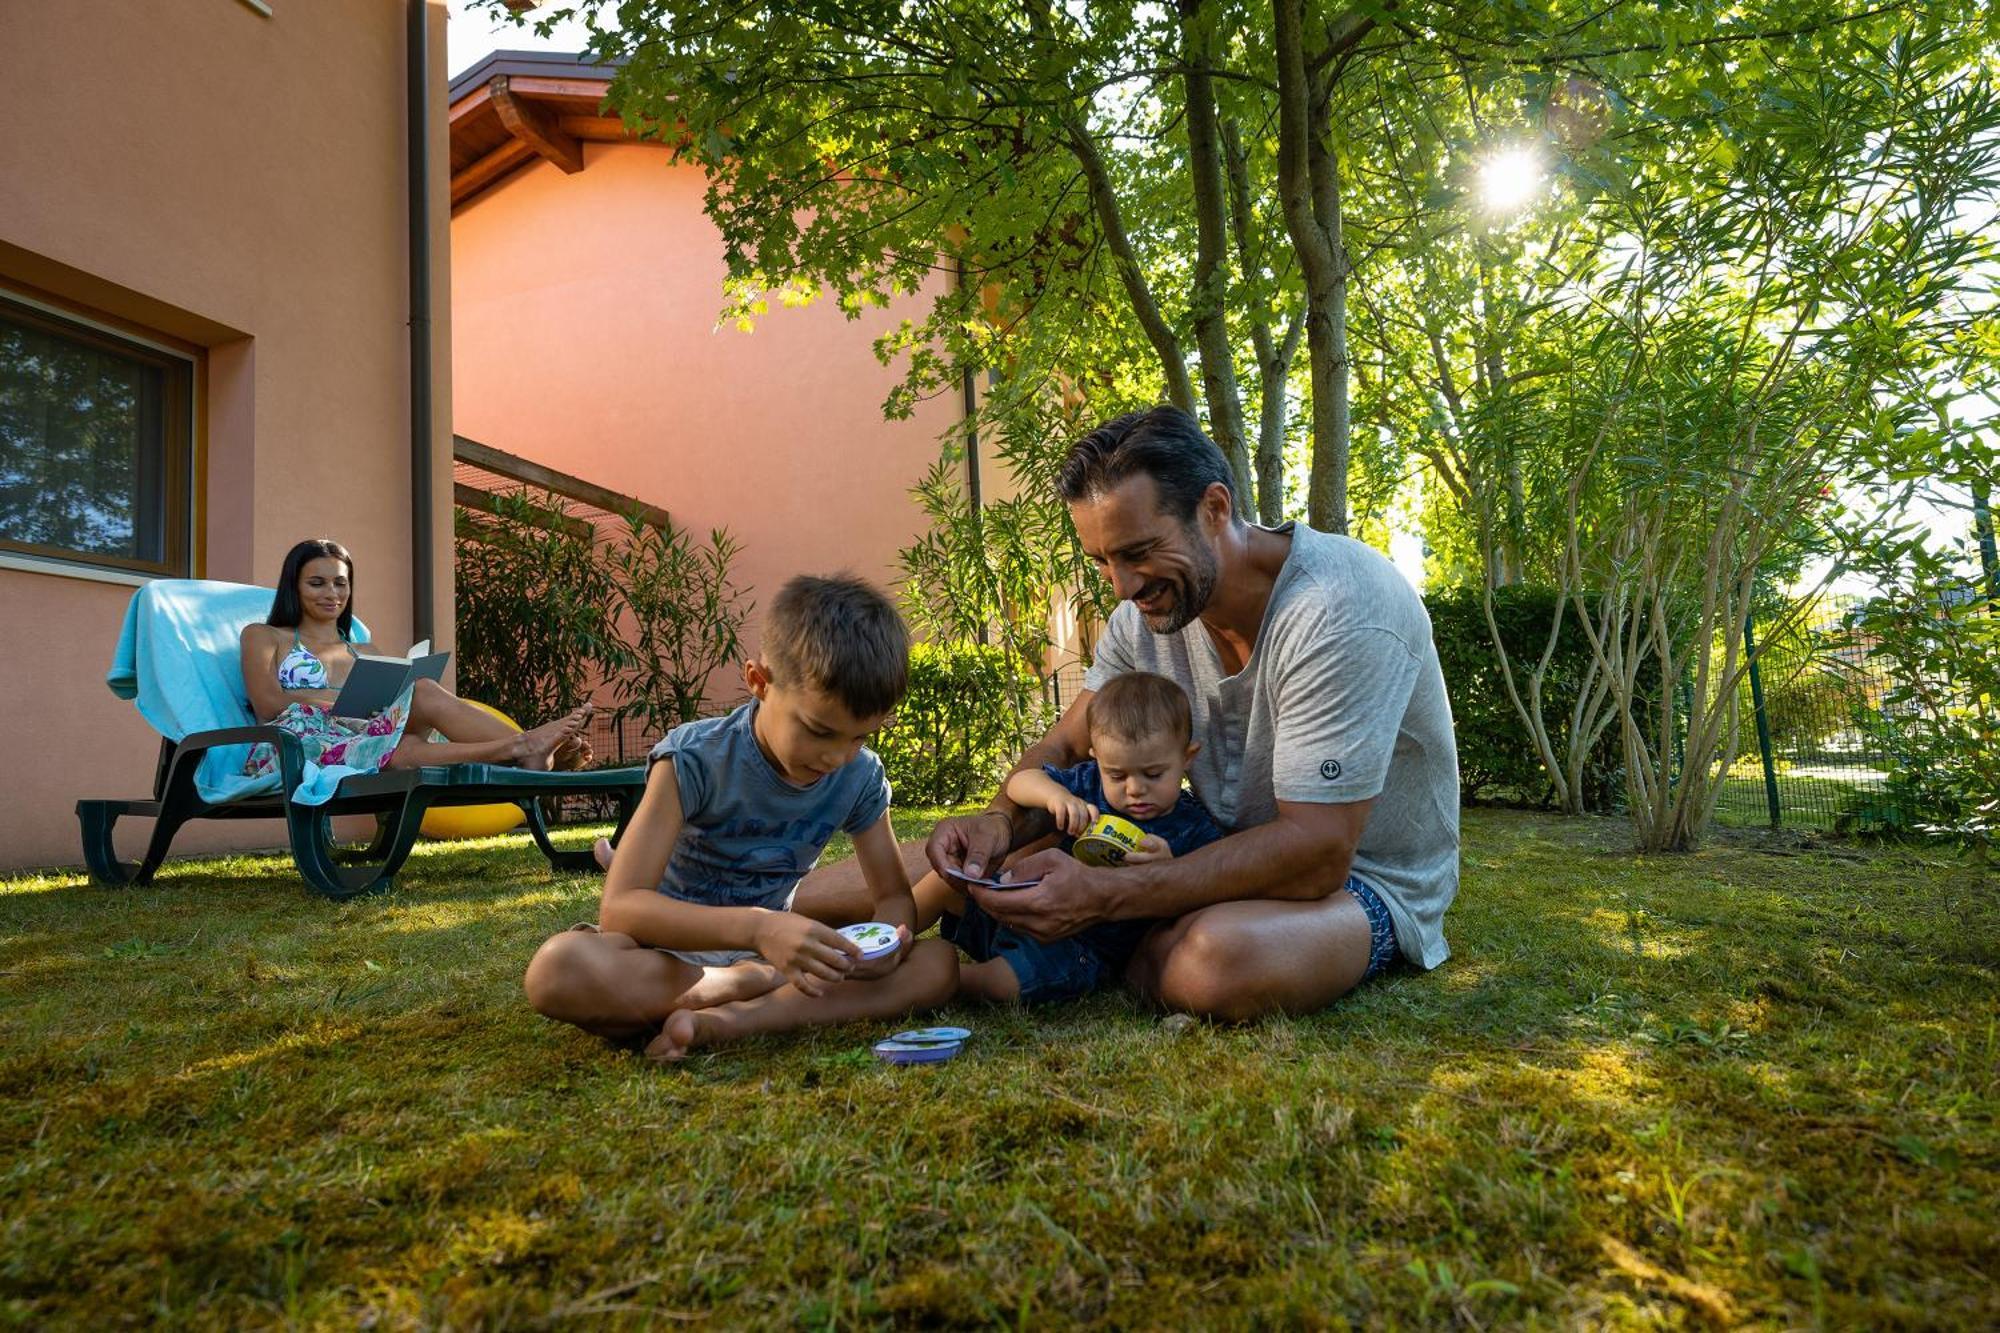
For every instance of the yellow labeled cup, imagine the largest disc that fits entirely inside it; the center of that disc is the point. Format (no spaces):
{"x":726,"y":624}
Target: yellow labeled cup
{"x":1107,"y":841}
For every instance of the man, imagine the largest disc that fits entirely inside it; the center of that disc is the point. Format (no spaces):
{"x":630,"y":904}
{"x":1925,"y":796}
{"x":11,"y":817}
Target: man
{"x":1326,"y":745}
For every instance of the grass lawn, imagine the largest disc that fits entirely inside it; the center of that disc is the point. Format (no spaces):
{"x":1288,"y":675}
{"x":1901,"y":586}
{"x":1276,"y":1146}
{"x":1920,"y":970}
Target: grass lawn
{"x":1752,"y":1085}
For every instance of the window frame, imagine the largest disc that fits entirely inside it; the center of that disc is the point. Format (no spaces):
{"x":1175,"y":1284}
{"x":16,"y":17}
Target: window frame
{"x":178,"y":427}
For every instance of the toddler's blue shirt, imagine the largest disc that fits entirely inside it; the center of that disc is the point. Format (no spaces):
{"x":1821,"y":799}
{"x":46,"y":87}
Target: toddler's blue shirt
{"x":1185,"y":827}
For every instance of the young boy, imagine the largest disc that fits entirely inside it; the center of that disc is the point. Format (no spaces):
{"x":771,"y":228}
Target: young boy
{"x":1140,"y":729}
{"x":696,"y":940}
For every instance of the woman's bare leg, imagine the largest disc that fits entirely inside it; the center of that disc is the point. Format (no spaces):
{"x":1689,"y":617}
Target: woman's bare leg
{"x":521,"y":749}
{"x":435,"y":708}
{"x":927,"y":978}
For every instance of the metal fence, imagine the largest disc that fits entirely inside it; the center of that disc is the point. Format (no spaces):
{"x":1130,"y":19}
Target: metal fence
{"x":1809,"y":750}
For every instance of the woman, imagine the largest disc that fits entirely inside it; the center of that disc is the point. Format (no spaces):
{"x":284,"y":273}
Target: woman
{"x":295,"y":664}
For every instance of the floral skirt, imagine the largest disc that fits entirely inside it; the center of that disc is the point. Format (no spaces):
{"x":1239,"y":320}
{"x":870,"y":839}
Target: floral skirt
{"x":335,"y":742}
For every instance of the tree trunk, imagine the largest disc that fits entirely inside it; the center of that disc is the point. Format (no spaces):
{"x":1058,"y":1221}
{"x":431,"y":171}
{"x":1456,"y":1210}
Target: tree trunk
{"x":1274,"y":356}
{"x":1211,"y":272}
{"x":1309,"y":187}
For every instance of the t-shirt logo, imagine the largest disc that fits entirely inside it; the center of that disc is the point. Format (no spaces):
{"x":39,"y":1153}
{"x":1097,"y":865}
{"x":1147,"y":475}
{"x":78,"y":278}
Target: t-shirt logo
{"x":1330,"y":769}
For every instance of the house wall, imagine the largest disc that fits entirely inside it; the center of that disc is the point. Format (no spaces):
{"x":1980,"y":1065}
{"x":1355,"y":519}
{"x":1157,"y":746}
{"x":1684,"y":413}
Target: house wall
{"x":236,"y":184}
{"x":584,"y":338}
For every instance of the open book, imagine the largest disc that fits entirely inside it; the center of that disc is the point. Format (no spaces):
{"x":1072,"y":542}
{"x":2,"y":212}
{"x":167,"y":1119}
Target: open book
{"x":377,"y":682}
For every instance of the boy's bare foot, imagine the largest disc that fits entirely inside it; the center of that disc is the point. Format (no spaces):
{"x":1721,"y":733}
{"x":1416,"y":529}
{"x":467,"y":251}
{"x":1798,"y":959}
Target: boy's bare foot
{"x":685,"y":1029}
{"x":600,"y":852}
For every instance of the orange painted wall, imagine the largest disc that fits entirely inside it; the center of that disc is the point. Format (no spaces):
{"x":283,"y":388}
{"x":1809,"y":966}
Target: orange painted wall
{"x":237,"y":182}
{"x":584,"y":337}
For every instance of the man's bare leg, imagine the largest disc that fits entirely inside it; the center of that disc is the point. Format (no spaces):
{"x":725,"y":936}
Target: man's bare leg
{"x":1235,"y":961}
{"x":838,"y":895}
{"x":927,"y":978}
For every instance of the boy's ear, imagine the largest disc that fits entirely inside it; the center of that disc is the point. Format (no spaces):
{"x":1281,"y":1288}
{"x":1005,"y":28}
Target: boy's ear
{"x":1194,"y":748}
{"x":756,"y":677}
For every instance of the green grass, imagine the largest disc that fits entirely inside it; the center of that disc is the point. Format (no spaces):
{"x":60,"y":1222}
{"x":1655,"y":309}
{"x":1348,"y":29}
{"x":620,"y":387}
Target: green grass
{"x":1735,"y":1086}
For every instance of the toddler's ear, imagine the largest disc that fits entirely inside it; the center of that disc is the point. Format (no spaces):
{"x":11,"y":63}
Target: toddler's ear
{"x":1194,"y":748}
{"x":756,"y":676}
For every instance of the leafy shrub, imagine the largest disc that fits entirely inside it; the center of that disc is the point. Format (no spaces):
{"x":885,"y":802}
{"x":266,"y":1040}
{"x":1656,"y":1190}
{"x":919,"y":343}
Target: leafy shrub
{"x":1496,"y":756}
{"x":969,"y":712}
{"x":535,"y":622}
{"x":1939,"y":722}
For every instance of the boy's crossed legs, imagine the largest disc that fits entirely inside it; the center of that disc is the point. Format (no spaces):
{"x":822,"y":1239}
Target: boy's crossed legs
{"x":611,"y":985}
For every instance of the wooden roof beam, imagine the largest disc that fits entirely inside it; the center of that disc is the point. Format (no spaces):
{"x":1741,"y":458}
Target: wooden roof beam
{"x":515,"y":468}
{"x":532,"y":126}
{"x":510,"y":154}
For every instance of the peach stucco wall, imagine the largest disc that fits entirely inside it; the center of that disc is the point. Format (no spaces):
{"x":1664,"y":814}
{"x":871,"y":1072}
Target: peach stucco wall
{"x":584,"y":337}
{"x":237,"y":183}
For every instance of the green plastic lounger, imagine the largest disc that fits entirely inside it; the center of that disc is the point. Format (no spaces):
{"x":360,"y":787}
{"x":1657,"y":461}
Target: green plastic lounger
{"x":179,"y":659}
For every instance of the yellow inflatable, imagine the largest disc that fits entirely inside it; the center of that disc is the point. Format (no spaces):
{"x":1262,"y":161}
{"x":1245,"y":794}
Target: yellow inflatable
{"x":474,"y":821}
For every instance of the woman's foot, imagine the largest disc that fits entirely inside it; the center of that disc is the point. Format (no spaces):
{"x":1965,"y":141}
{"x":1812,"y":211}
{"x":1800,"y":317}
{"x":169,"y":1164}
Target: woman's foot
{"x":600,"y":852}
{"x":573,"y":754}
{"x":537,"y":748}
{"x":684,"y":1030}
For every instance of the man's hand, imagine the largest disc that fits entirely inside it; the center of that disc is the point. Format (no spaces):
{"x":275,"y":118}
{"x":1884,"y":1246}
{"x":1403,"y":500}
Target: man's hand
{"x":887,"y":963}
{"x":811,"y":956}
{"x":1151,"y":848}
{"x":1070,"y":897}
{"x":970,"y":844}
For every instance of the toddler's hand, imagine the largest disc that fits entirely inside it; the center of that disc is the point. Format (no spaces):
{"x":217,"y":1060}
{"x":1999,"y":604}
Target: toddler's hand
{"x":1151,"y":848}
{"x":887,"y":963}
{"x":811,"y":956}
{"x":1073,"y":814}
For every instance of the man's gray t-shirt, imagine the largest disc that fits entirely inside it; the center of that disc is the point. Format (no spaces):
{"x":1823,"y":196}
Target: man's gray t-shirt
{"x":1342,"y":700}
{"x":747,"y":835}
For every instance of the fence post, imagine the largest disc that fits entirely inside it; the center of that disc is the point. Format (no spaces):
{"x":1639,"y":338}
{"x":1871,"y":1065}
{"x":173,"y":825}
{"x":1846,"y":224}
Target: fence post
{"x":1763,"y":721}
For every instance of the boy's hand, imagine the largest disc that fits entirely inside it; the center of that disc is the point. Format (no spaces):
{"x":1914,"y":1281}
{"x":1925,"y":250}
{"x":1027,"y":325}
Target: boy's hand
{"x":1152,"y":847}
{"x":812,"y":957}
{"x":1073,"y":814}
{"x":887,"y":963}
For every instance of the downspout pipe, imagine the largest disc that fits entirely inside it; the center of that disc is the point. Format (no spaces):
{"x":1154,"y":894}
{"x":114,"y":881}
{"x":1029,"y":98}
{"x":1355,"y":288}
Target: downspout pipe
{"x":422,"y":589}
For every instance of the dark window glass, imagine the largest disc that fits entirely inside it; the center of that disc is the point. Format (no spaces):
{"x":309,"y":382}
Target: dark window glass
{"x":94,"y":455}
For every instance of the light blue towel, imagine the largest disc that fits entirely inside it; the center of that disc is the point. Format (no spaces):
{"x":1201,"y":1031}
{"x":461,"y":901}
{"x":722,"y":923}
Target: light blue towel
{"x":180,"y":657}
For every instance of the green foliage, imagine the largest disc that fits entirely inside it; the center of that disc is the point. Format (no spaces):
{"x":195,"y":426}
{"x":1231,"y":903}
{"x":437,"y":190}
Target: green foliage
{"x":997,"y":571}
{"x":681,"y":614}
{"x":1939,"y":721}
{"x":536,"y":623}
{"x":968,"y":713}
{"x":550,"y":607}
{"x":1495,"y":756}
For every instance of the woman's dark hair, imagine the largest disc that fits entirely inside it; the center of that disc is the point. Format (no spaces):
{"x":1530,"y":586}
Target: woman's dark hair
{"x":1165,"y":443}
{"x":285,"y":608}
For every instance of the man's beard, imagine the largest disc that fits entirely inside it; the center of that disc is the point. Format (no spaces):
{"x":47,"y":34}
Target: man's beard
{"x":1190,"y":592}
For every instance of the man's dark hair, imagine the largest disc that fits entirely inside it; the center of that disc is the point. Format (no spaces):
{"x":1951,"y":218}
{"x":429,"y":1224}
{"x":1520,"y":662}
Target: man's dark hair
{"x":840,"y":636}
{"x":1164,"y":443}
{"x":1139,"y":705}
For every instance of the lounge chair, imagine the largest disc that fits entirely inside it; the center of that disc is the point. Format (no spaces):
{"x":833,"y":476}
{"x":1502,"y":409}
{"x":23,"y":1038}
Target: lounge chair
{"x":179,"y":659}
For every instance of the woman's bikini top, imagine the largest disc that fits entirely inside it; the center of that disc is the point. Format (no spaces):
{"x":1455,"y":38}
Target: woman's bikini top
{"x":300,"y":670}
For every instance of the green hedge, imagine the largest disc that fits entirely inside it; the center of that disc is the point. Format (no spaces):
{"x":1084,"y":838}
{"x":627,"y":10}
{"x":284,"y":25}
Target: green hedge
{"x":1496,"y":758}
{"x":969,"y":712}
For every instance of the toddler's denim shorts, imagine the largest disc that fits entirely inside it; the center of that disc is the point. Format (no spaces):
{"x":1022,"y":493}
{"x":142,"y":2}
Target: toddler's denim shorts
{"x":1047,"y":970}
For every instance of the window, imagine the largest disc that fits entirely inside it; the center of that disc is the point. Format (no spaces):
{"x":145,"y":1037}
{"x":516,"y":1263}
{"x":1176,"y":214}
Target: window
{"x":95,"y":448}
